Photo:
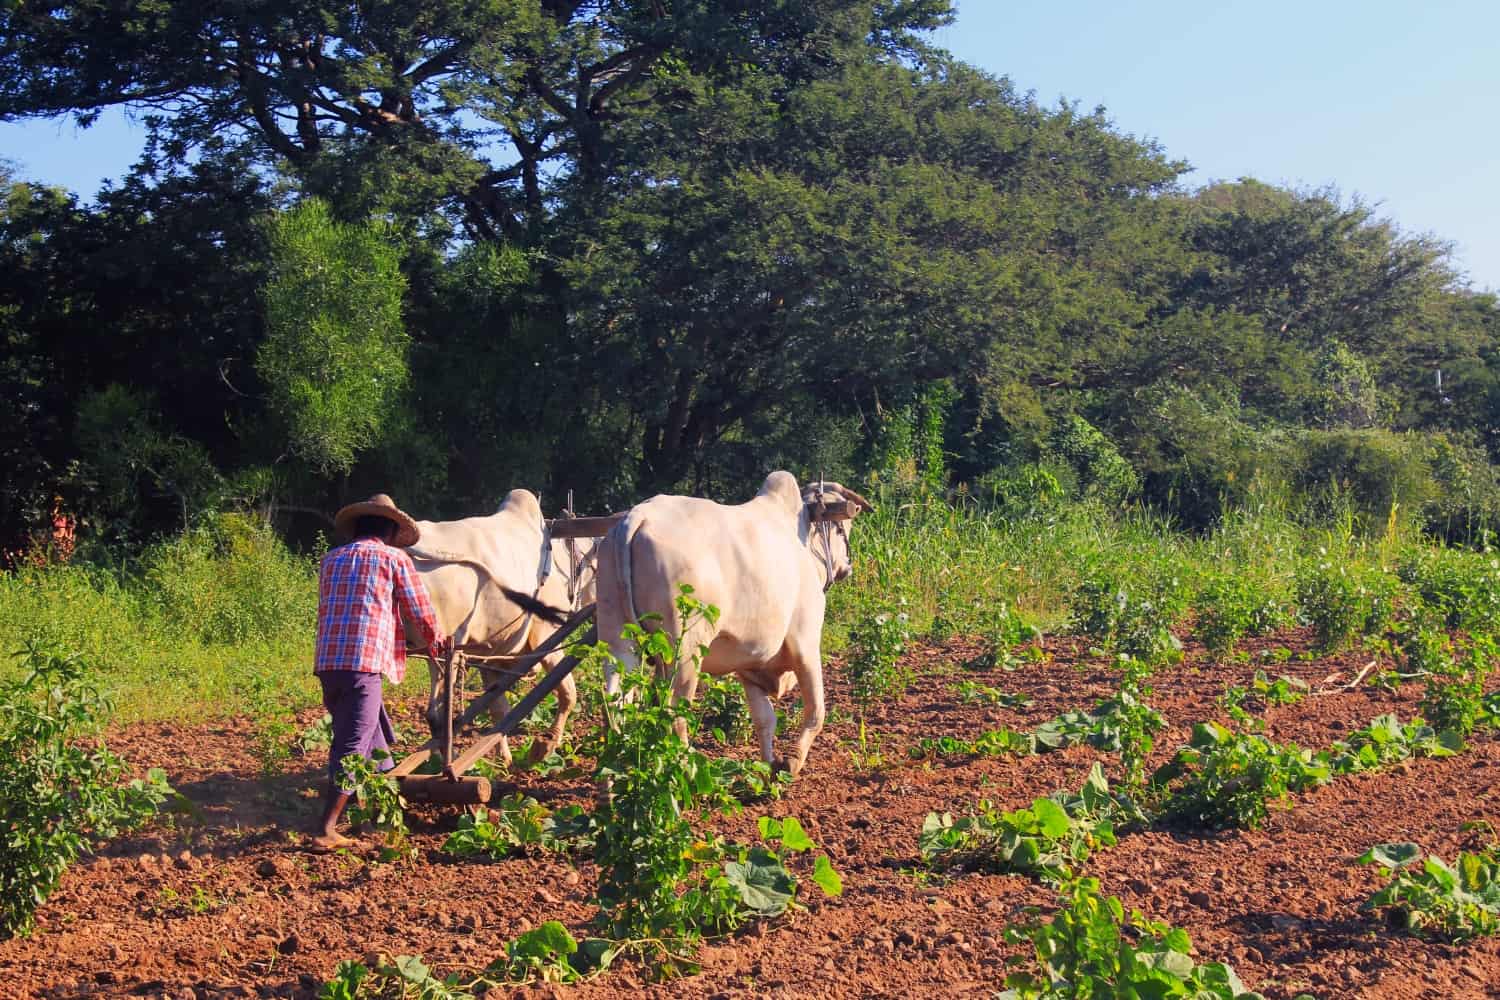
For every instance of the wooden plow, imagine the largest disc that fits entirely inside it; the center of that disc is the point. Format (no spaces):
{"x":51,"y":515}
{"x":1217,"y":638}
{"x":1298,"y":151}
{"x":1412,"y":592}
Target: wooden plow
{"x":453,"y":785}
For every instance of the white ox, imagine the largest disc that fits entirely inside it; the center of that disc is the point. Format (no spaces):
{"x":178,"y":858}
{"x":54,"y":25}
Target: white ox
{"x":763,"y":564}
{"x":469,"y":565}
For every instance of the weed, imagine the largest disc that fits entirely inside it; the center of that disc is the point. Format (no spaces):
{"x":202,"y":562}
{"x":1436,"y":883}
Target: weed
{"x":722,"y":710}
{"x":61,"y":790}
{"x":1131,"y":613}
{"x":1342,"y":601}
{"x":875,"y":647}
{"x":1232,"y":605}
{"x":1455,"y":697}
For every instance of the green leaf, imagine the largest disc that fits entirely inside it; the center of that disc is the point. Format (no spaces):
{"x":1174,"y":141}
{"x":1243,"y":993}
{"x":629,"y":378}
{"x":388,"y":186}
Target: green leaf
{"x":1395,"y":855}
{"x":762,"y":883}
{"x":1052,"y":818}
{"x":827,"y":877}
{"x":543,"y":941}
{"x":793,"y":837}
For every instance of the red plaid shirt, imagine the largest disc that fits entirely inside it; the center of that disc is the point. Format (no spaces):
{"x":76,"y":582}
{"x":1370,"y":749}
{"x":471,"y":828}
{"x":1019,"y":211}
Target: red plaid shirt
{"x":361,"y":588}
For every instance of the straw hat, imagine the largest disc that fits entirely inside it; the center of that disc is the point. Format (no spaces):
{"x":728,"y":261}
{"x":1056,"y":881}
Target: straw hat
{"x":379,"y":505}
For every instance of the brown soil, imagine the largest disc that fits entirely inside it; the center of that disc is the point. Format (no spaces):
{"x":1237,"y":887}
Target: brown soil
{"x":228,"y":905}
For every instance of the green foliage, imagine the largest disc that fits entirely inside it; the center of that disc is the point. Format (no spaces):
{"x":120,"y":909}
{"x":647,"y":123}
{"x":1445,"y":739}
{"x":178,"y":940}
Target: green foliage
{"x":993,"y":743}
{"x":1131,"y":612}
{"x":972,"y":691}
{"x":1456,"y":902}
{"x":378,"y":802}
{"x":1224,"y":779}
{"x":1386,"y":740}
{"x":1461,"y":588}
{"x":875,"y":647}
{"x":334,"y":357}
{"x":1342,"y":600}
{"x":722,"y":710}
{"x":1455,"y":684}
{"x":1102,"y":472}
{"x":1261,"y":693}
{"x":1232,"y":605}
{"x":548,"y":953}
{"x":518,"y":822}
{"x":1045,"y":840}
{"x":405,"y":977}
{"x":1089,"y":949}
{"x":62,"y":790}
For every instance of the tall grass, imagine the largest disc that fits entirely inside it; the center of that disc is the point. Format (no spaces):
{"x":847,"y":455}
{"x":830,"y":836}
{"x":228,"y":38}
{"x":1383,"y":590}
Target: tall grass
{"x":219,"y":621}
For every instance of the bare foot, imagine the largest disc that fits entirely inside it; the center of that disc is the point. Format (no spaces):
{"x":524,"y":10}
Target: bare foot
{"x":324,"y":843}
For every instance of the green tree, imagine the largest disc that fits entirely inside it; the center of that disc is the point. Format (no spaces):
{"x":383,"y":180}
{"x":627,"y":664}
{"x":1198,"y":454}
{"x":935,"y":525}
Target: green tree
{"x":334,"y":355}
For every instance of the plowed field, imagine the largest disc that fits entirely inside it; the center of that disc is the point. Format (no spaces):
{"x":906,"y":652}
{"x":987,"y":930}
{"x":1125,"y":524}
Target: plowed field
{"x":228,"y":905}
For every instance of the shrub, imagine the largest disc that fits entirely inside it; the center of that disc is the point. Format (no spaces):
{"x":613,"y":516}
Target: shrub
{"x":1234,"y":605}
{"x":1461,"y":588}
{"x":1131,"y":612}
{"x":1341,"y":600}
{"x":59,"y":793}
{"x":875,"y":647}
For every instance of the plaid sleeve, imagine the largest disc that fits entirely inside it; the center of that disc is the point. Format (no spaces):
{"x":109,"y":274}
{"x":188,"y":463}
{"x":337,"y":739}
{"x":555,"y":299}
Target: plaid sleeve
{"x":411,"y":594}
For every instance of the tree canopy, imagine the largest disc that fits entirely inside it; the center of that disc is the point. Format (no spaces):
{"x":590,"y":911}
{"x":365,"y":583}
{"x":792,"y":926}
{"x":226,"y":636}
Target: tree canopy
{"x":624,"y":247}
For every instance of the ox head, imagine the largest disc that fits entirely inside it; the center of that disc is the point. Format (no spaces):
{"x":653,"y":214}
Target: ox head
{"x":829,"y":540}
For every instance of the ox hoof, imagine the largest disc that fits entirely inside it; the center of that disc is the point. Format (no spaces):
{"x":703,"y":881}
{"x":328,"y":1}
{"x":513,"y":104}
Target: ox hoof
{"x":781,"y":764}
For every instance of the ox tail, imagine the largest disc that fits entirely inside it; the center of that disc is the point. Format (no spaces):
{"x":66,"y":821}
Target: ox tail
{"x":620,"y":536}
{"x":531,"y":605}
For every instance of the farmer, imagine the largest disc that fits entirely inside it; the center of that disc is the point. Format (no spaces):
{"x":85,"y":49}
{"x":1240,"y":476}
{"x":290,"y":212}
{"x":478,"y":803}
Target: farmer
{"x":365,"y":587}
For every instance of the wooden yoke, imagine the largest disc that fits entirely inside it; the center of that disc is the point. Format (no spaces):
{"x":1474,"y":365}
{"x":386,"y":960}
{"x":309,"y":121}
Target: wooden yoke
{"x":831,"y":510}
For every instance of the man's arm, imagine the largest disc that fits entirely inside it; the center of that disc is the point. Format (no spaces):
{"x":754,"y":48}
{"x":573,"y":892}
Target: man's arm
{"x":411,"y":595}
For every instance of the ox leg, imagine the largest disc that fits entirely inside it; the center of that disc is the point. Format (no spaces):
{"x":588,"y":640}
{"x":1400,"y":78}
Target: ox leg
{"x":567,"y":698}
{"x":810,"y":680}
{"x":763,"y":719}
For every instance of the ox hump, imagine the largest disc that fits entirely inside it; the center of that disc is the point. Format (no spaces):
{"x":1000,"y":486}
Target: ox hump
{"x":782,"y":486}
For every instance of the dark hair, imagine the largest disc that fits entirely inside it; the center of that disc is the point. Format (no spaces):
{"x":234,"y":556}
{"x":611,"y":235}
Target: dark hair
{"x":367,"y":525}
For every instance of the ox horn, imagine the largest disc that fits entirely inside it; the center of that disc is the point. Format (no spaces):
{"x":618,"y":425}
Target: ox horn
{"x":852,"y":496}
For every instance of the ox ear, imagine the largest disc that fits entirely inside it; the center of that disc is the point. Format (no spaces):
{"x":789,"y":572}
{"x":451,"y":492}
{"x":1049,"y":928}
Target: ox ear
{"x":852,"y":496}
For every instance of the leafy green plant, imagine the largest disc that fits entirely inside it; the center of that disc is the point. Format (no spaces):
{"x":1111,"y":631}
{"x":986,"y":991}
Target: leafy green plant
{"x":548,"y":953}
{"x":875,"y":646}
{"x":516,"y":823}
{"x":1341,"y":600}
{"x":378,"y":802}
{"x":992,"y":743}
{"x":1454,"y":699}
{"x":405,"y":977}
{"x":1458,"y":901}
{"x":748,"y":781}
{"x":318,"y":736}
{"x":722,"y":710}
{"x":972,"y":691}
{"x":1130,"y":721}
{"x":1386,"y":740}
{"x":1045,"y":839}
{"x":61,"y":789}
{"x":1261,"y":693}
{"x":1131,"y":612}
{"x":1089,"y":949}
{"x":1232,"y":605}
{"x":1005,"y":632}
{"x":1226,"y":779}
{"x":1461,"y":588}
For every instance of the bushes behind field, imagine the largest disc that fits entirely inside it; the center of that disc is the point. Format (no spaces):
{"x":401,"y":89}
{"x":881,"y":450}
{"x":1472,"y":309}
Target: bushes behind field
{"x":195,"y":622}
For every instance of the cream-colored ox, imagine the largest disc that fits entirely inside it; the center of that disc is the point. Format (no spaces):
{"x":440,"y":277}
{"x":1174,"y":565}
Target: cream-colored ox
{"x":467,"y":566}
{"x":764,"y":564}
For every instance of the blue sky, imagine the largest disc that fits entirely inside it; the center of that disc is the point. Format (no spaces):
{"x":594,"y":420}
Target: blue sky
{"x":1392,"y":101}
